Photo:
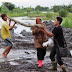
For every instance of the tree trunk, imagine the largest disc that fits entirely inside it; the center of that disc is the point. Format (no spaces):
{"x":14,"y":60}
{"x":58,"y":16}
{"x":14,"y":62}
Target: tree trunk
{"x":38,"y":25}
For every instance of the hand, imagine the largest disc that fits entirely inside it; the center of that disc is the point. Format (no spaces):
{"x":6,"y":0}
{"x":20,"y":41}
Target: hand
{"x":34,"y":27}
{"x":15,"y":23}
{"x":44,"y":27}
{"x":10,"y":21}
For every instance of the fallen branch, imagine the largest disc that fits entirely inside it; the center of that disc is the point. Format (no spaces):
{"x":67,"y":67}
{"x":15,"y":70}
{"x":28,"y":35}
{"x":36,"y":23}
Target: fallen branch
{"x":37,"y":25}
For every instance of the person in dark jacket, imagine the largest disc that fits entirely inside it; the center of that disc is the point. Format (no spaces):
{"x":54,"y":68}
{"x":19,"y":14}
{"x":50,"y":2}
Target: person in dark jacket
{"x":58,"y":36}
{"x":39,"y":38}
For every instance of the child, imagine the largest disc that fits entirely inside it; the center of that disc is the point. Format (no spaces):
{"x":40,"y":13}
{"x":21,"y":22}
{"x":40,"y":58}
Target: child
{"x":5,"y":33}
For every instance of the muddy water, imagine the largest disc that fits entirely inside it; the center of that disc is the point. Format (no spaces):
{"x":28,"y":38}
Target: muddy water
{"x":22,"y":60}
{"x":19,"y":54}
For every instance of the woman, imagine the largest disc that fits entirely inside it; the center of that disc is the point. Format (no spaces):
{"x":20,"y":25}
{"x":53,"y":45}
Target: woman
{"x":39,"y":38}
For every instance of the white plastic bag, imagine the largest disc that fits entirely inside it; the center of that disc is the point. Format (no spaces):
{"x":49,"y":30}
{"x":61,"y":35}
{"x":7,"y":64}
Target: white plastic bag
{"x":48,"y":43}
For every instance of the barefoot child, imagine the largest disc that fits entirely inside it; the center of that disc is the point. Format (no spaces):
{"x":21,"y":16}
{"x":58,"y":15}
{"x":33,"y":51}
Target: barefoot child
{"x":5,"y":33}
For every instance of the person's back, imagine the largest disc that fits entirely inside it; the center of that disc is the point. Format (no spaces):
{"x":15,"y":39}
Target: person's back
{"x":40,"y":37}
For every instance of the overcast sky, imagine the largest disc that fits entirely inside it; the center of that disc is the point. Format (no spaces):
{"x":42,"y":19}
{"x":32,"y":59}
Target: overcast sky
{"x":34,"y":3}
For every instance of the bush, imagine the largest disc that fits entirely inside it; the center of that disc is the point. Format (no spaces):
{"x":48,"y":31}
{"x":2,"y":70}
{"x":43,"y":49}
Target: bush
{"x":67,"y":22}
{"x":36,"y":12}
{"x":63,"y":13}
{"x":49,"y":15}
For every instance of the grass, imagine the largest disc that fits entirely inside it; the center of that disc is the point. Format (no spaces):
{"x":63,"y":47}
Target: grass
{"x":67,"y":22}
{"x":17,"y":14}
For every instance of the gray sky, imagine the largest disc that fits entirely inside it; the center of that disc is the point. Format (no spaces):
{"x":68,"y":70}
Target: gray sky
{"x":34,"y":3}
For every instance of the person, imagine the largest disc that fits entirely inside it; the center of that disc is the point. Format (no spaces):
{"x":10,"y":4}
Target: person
{"x":5,"y":33}
{"x":58,"y":37}
{"x":39,"y":38}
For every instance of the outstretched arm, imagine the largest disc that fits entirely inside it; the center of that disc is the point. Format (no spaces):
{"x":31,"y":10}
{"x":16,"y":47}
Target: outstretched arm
{"x":9,"y":22}
{"x":12,"y":26}
{"x":50,"y":34}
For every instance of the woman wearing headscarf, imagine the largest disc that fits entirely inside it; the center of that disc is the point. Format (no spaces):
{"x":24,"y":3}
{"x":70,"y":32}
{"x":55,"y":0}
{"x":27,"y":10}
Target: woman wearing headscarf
{"x":39,"y":38}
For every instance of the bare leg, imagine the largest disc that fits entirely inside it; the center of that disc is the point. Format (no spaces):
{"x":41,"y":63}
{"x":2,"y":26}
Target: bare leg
{"x":62,"y":66}
{"x":7,"y":50}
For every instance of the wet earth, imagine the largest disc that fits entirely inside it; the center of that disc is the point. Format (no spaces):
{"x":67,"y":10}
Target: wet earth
{"x":22,"y":57}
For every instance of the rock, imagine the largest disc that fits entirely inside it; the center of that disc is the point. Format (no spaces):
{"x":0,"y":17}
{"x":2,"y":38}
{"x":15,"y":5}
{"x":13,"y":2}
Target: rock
{"x":27,"y":52}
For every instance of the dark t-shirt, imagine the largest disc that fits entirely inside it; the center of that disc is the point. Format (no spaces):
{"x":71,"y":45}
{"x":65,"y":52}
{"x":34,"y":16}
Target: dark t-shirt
{"x":58,"y":36}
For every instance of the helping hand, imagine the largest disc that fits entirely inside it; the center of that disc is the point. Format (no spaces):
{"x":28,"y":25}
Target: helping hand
{"x":10,"y":20}
{"x":15,"y":23}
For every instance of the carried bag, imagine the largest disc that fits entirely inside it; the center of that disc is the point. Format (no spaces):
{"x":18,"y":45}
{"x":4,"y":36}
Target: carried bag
{"x":64,"y":51}
{"x":49,"y":43}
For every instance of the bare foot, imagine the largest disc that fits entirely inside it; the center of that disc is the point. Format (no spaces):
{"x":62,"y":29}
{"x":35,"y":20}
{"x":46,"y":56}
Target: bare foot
{"x":4,"y":55}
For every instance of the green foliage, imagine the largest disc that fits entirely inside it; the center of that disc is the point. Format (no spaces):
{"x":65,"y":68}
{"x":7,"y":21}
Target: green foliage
{"x":9,"y":5}
{"x":69,"y":15}
{"x":67,"y":22}
{"x":49,"y":15}
{"x":56,"y":8}
{"x":63,"y":13}
{"x":0,"y":9}
{"x":69,"y":8}
{"x":29,"y":9}
{"x":17,"y":14}
{"x":39,"y":8}
{"x":3,"y":10}
{"x":36,"y":12}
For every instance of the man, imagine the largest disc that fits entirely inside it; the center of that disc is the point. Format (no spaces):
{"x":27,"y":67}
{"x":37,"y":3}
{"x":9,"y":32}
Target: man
{"x":5,"y":33}
{"x":58,"y":36}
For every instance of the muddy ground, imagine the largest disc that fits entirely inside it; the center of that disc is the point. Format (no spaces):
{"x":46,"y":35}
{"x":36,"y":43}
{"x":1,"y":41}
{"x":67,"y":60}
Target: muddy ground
{"x":22,"y":57}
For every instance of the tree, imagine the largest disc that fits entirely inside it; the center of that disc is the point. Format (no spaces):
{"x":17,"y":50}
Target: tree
{"x":0,"y":9}
{"x":63,"y":13}
{"x":69,"y":8}
{"x":8,"y":5}
{"x":56,"y":8}
{"x":3,"y":10}
{"x":29,"y":9}
{"x":38,"y":8}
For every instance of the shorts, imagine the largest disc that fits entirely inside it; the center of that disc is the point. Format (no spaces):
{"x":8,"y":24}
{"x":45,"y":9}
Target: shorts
{"x":8,"y":42}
